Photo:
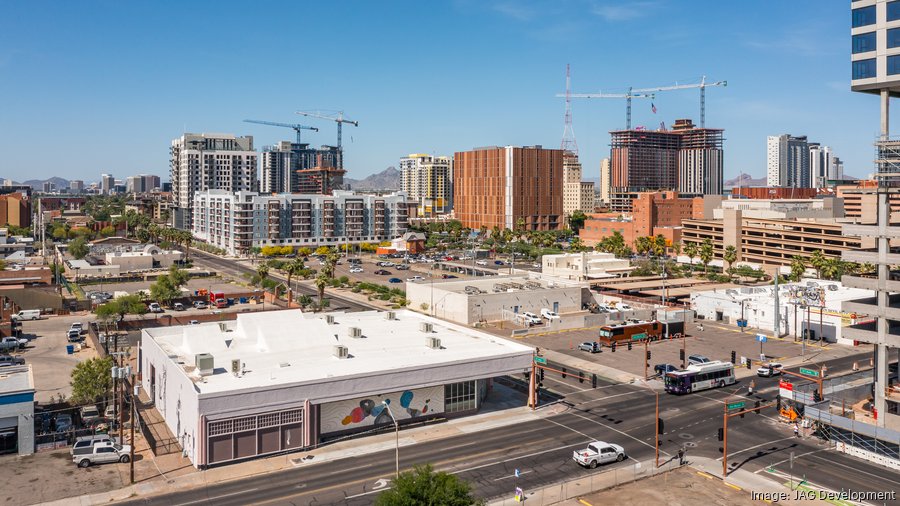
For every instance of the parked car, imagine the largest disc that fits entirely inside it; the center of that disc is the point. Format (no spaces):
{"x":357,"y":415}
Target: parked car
{"x":193,"y":322}
{"x":178,"y":306}
{"x":415,"y":278}
{"x":103,"y":453}
{"x":356,"y":270}
{"x":12,"y":343}
{"x":155,"y":308}
{"x":590,"y":347}
{"x":498,"y":262}
{"x":480,"y":262}
{"x":448,"y":276}
{"x":621,"y":306}
{"x":10,"y":360}
{"x":199,"y":304}
{"x":770,"y":369}
{"x":85,"y":444}
{"x":550,"y":315}
{"x":27,"y":314}
{"x":599,"y":452}
{"x":63,"y":422}
{"x":89,"y":414}
{"x":110,"y":412}
{"x":530,"y":318}
{"x":73,"y":336}
{"x":395,"y":280}
{"x":77,"y":327}
{"x":402,"y":267}
{"x":662,"y":369}
{"x":698,"y":359}
{"x":382,"y":272}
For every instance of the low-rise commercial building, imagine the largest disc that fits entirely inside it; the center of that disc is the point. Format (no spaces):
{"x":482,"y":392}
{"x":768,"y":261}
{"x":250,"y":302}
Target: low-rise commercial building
{"x":584,"y":266}
{"x":495,"y":298}
{"x":17,"y":410}
{"x":281,"y":381}
{"x":652,"y":214}
{"x":240,"y":221}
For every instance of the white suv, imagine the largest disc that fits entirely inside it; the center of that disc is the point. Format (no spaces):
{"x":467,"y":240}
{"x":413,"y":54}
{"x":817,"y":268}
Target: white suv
{"x":530,"y":318}
{"x":550,"y":315}
{"x":769,"y":369}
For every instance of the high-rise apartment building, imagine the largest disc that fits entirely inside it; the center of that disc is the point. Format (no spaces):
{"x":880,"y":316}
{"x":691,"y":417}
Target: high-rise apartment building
{"x":428,"y":180}
{"x":107,"y":184}
{"x":292,"y":167}
{"x":200,"y":162}
{"x":239,"y":221}
{"x":686,"y":158}
{"x":875,"y":68}
{"x":836,"y":169}
{"x":787,"y":161}
{"x":15,"y":208}
{"x":497,"y":186}
{"x":820,"y":164}
{"x":578,"y":195}
{"x":134,"y":184}
{"x":605,"y":180}
{"x":76,"y":186}
{"x":151,"y":182}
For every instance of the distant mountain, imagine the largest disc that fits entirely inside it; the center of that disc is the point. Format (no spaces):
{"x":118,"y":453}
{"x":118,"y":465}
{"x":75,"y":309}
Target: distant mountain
{"x":388,"y":179}
{"x":744,"y":180}
{"x":38,"y":184}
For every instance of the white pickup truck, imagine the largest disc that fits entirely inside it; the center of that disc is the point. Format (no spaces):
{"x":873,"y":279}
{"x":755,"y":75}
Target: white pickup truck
{"x":599,"y":452}
{"x":10,"y":344}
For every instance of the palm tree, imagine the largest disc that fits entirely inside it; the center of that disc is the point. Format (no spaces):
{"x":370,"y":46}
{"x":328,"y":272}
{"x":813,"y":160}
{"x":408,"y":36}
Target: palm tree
{"x":817,"y":261}
{"x":262,"y":274}
{"x":690,"y":249}
{"x":706,"y":254}
{"x":730,"y":256}
{"x":676,"y":248}
{"x":659,"y":245}
{"x":642,"y":245}
{"x":798,"y":267}
{"x":321,"y":281}
{"x":291,"y":269}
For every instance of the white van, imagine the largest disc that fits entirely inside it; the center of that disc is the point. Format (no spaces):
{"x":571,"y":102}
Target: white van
{"x":28,"y":314}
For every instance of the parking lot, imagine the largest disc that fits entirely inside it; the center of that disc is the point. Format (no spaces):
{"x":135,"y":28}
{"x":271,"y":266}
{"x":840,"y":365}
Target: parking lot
{"x":215,"y":284}
{"x":715,"y":342}
{"x":51,"y":476}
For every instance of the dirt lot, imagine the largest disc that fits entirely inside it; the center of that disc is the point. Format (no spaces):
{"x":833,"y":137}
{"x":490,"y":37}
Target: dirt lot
{"x":682,"y":487}
{"x":51,"y":476}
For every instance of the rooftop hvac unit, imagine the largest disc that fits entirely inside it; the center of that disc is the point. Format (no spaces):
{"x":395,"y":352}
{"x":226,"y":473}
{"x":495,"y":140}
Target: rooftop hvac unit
{"x":341,"y":351}
{"x":236,"y":367}
{"x":434,"y":343}
{"x":223,"y":327}
{"x":204,"y":363}
{"x":390,"y":315}
{"x":354,"y":332}
{"x":329,"y":319}
{"x":426,"y":327}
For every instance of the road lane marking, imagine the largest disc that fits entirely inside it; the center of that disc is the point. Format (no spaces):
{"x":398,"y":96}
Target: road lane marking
{"x":616,"y":430}
{"x":733,"y":486}
{"x":511,"y":476}
{"x":570,"y":428}
{"x":582,"y":501}
{"x":701,"y":473}
{"x":209,"y":499}
{"x":591,"y":440}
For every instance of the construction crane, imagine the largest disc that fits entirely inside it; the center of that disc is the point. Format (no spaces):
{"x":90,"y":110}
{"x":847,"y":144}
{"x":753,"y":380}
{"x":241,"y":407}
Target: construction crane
{"x":627,"y":96}
{"x":702,"y":85}
{"x":296,"y":127}
{"x":337,"y":118}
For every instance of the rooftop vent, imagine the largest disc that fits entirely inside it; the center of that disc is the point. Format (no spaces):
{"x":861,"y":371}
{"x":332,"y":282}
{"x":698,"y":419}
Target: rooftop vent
{"x":236,"y":367}
{"x":329,"y":319}
{"x":390,"y":315}
{"x":354,"y":332}
{"x":426,"y":327}
{"x":205,"y":363}
{"x":341,"y":351}
{"x":223,"y":327}
{"x":434,"y":343}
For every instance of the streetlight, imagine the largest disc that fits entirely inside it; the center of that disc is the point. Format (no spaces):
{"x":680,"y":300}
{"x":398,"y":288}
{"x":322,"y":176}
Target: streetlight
{"x":397,"y":432}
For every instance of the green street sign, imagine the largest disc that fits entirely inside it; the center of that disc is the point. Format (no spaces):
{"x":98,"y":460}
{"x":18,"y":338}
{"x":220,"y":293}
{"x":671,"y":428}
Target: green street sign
{"x":809,"y":372}
{"x":638,"y":337}
{"x":735,"y":405}
{"x":540,"y":360}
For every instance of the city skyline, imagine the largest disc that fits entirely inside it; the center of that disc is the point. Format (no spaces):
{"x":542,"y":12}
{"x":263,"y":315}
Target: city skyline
{"x":137,"y":78}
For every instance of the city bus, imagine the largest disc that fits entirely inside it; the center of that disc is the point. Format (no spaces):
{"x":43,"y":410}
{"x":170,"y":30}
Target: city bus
{"x":631,"y":330}
{"x":696,"y":377}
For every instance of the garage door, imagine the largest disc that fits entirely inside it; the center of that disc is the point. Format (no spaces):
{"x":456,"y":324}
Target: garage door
{"x":9,"y":422}
{"x":251,"y":436}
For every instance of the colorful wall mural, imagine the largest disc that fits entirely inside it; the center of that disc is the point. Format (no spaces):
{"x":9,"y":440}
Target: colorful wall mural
{"x":369,"y":411}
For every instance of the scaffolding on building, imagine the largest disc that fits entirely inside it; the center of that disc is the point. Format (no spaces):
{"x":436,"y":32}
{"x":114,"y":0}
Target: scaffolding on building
{"x":887,"y":161}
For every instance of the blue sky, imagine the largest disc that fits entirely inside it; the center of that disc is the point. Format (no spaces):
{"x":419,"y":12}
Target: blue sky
{"x":91,"y":87}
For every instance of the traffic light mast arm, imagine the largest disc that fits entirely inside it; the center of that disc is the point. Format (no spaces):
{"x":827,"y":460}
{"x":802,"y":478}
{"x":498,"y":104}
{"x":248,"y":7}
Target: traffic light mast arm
{"x":725,"y":417}
{"x":820,"y":381}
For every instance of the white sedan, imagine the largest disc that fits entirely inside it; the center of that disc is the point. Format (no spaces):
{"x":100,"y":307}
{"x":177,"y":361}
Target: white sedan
{"x":356,"y":270}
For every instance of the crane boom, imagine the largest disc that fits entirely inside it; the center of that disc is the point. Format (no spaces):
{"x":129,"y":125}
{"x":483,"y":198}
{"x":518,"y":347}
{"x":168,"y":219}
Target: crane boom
{"x":337,"y":118}
{"x":295,"y":127}
{"x":702,"y":85}
{"x":627,"y":96}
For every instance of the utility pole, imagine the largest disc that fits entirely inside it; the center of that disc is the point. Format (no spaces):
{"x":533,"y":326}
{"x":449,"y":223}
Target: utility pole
{"x":725,"y":442}
{"x":777,"y":309}
{"x":657,"y":429}
{"x":133,"y":421}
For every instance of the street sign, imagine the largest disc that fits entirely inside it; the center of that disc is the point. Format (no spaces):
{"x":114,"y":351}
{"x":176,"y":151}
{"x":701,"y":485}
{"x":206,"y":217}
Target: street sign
{"x":761,"y":338}
{"x":638,"y":337}
{"x":809,"y":372}
{"x":540,"y":360}
{"x":735,"y":405}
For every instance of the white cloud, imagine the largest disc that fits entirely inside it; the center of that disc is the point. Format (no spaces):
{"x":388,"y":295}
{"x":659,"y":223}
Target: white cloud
{"x":621,"y":11}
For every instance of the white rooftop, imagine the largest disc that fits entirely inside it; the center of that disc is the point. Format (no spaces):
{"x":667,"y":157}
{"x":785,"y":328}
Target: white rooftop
{"x":16,"y":379}
{"x":292,"y":347}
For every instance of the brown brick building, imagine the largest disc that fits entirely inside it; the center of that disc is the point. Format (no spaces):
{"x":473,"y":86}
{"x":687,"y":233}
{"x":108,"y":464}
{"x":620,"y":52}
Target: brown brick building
{"x":653,"y":213}
{"x":15,"y":209}
{"x":496,"y":186}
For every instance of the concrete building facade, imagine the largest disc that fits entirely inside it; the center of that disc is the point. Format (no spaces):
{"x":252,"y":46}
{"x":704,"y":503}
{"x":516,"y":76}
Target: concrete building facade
{"x":497,"y":186}
{"x":17,"y":410}
{"x":15,"y":209}
{"x":653,"y":213}
{"x":578,"y":195}
{"x":787,"y":161}
{"x":284,"y":381}
{"x":584,"y":266}
{"x":428,"y":180}
{"x":239,"y":221}
{"x":605,"y":180}
{"x":289,"y":167}
{"x":200,"y":162}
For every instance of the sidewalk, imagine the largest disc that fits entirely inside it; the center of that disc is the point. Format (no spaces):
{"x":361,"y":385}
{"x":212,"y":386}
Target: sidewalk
{"x":339,"y":450}
{"x":740,"y":479}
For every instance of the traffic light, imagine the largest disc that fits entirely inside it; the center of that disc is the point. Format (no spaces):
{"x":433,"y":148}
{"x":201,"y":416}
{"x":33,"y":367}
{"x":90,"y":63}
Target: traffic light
{"x":563,"y":372}
{"x":581,"y":376}
{"x":733,"y":357}
{"x":527,"y":376}
{"x":749,"y":362}
{"x":648,"y":355}
{"x":542,"y":375}
{"x":629,"y":345}
{"x":721,"y":434}
{"x":778,"y":403}
{"x":660,"y":426}
{"x":613,"y":346}
{"x":756,"y":405}
{"x":681,"y":354}
{"x":742,"y":414}
{"x":593,"y":381}
{"x":816,"y":396}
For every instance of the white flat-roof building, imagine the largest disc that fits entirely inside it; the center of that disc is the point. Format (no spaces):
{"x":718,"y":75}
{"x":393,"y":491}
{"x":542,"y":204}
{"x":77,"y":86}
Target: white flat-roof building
{"x":279,"y":381}
{"x":17,"y":410}
{"x":584,"y":266}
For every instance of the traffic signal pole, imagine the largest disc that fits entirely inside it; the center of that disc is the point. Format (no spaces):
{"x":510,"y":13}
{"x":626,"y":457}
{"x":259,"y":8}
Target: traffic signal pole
{"x":725,"y":418}
{"x":657,"y":430}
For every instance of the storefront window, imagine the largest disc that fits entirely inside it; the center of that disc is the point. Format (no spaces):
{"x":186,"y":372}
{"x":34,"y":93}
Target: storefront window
{"x":459,"y":397}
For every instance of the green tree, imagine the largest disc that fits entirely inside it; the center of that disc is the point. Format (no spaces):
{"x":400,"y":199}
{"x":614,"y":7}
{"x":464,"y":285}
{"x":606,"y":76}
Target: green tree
{"x":293,"y":268}
{"x":706,"y":254}
{"x":116,"y":309}
{"x":322,"y":280}
{"x":60,"y":232}
{"x":262,"y":274}
{"x":423,"y":486}
{"x":164,"y":290}
{"x":78,"y":248}
{"x":798,"y":267}
{"x":690,"y":249}
{"x":108,"y":231}
{"x":817,"y":261}
{"x":91,"y":380}
{"x":576,"y":221}
{"x":729,"y":256}
{"x":659,"y":245}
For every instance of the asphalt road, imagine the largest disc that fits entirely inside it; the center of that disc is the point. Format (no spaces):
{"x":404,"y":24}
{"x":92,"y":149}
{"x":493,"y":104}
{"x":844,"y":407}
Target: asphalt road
{"x":542,"y":449}
{"x":237,"y":270}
